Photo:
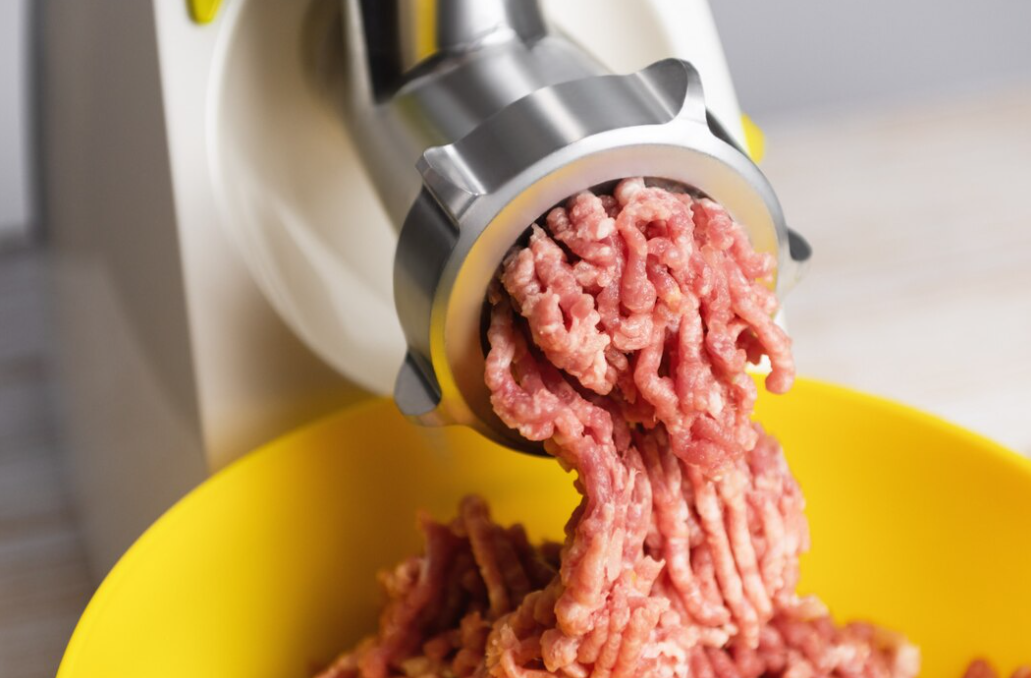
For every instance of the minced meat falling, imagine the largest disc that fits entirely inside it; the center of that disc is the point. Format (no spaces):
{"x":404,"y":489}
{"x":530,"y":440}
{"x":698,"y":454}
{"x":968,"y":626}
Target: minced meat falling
{"x":620,"y":337}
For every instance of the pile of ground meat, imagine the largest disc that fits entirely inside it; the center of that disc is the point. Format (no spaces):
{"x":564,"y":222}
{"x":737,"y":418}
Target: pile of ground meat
{"x":620,"y":337}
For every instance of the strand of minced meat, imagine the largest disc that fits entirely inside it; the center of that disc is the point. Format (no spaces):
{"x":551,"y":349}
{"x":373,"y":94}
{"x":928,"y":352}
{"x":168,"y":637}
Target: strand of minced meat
{"x":620,"y":336}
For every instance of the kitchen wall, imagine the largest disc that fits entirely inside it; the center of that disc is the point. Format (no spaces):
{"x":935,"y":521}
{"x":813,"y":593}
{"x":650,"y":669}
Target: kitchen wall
{"x":790,"y":55}
{"x":787,"y":56}
{"x":15,"y":131}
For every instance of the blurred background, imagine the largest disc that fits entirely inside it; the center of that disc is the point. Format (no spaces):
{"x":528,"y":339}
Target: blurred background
{"x":136,"y":356}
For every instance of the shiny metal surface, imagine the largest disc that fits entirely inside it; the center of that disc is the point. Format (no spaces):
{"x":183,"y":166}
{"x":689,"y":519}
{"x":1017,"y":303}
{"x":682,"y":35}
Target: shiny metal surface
{"x":405,"y":93}
{"x":417,"y":30}
{"x":502,"y":121}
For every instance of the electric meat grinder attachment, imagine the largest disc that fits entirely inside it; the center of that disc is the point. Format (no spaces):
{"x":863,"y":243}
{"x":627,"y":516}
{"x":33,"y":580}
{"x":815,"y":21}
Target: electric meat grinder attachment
{"x":474,"y":120}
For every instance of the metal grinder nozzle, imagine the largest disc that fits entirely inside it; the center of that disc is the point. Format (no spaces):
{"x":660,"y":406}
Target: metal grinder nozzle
{"x":474,"y":120}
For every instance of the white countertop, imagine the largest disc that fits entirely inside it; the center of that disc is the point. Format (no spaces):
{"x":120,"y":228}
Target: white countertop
{"x":920,"y":288}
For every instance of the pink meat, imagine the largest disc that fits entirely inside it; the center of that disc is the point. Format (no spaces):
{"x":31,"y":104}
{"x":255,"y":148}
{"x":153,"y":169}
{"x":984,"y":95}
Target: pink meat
{"x":620,"y":336}
{"x":660,"y":293}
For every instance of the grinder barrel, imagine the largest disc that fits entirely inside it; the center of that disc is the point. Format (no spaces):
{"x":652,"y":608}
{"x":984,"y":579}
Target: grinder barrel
{"x":424,"y":74}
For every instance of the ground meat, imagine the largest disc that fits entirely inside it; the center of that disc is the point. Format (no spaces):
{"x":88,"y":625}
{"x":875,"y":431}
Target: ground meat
{"x":481,"y":601}
{"x":620,"y":336}
{"x":649,"y":297}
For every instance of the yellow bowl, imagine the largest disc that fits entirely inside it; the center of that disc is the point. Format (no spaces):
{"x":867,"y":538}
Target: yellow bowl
{"x":268,"y":568}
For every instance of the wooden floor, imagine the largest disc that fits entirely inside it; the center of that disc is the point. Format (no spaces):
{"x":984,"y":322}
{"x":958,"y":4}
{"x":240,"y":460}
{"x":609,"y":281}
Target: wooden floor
{"x":920,"y":290}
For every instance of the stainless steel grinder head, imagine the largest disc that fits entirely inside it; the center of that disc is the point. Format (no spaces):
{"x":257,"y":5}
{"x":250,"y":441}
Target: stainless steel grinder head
{"x":501,"y":124}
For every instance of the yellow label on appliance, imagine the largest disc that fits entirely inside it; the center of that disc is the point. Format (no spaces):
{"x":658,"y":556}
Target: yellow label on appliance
{"x":755,"y":140}
{"x":203,"y":11}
